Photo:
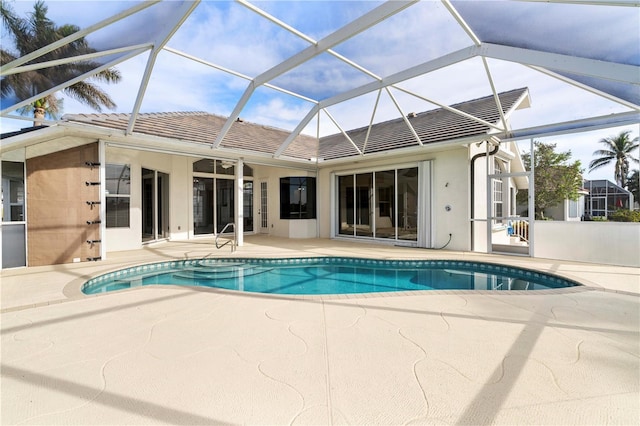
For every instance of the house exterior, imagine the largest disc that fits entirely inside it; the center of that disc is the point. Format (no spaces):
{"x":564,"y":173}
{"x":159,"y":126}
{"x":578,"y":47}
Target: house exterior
{"x":83,"y":188}
{"x":605,"y":197}
{"x":569,"y":210}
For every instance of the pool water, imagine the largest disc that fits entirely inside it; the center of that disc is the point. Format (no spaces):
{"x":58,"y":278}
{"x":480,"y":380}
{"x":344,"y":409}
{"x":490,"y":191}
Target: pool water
{"x":330,"y":275}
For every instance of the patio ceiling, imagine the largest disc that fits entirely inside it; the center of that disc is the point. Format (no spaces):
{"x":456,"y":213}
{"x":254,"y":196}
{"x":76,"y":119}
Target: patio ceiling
{"x":327,"y":67}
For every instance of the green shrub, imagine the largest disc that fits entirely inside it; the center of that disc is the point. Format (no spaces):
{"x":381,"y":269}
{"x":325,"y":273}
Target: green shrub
{"x":598,"y":219}
{"x":625,"y":216}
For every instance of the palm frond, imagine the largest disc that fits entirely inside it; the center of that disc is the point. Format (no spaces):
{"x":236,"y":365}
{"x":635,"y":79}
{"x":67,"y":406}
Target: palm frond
{"x":599,"y":162}
{"x":91,"y":95}
{"x":37,"y":31}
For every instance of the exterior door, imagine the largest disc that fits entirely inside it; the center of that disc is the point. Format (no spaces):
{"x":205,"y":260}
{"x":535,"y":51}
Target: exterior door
{"x":155,"y":205}
{"x":14,"y":252}
{"x":263,"y":212}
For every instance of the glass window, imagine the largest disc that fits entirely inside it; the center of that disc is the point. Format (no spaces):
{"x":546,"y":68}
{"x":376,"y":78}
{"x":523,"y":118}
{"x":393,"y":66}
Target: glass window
{"x":247,"y":202}
{"x":118,"y":179}
{"x":381,"y":204}
{"x":408,"y":204}
{"x":13,"y":191}
{"x":346,"y":193}
{"x":385,"y":200}
{"x":202,"y":205}
{"x":497,"y":199}
{"x":298,"y":198}
{"x":225,"y":167}
{"x":225,"y":204}
{"x":118,"y":194}
{"x":573,"y":208}
{"x":203,"y":166}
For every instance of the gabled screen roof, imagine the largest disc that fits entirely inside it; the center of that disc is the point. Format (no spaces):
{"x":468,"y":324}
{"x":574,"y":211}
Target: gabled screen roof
{"x":321,"y":68}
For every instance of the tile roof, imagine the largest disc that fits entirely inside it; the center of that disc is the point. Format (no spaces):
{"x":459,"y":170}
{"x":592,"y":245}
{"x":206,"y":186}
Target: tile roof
{"x":437,"y":125}
{"x":432,"y":126}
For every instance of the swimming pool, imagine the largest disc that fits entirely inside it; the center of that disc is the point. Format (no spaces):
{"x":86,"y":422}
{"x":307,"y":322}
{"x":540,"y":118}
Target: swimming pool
{"x":326,"y":275}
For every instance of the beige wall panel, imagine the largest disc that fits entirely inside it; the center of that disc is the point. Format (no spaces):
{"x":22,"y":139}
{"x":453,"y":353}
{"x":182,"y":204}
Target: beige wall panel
{"x":57,"y":211}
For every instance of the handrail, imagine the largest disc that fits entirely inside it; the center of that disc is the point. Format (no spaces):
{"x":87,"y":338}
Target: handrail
{"x":521,"y":229}
{"x":232,"y":241}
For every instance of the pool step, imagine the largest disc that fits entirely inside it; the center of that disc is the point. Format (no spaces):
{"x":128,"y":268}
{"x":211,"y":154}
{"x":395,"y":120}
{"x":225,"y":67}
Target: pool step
{"x":213,"y":270}
{"x":220,"y":273}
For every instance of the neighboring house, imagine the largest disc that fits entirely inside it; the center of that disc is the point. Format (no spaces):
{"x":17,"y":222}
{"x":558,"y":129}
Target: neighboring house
{"x":86,"y":187}
{"x":569,"y":210}
{"x":596,"y":198}
{"x":604,"y":198}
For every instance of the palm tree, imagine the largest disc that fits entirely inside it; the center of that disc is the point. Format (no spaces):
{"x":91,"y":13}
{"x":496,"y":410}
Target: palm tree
{"x":39,"y":31}
{"x":618,"y":149}
{"x":633,"y":184}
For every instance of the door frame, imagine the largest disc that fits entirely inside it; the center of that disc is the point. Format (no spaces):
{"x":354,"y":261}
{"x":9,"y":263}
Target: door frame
{"x":263,"y":207}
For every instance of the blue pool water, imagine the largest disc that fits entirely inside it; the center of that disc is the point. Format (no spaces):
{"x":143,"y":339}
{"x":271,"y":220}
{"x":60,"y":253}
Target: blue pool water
{"x":330,"y":275}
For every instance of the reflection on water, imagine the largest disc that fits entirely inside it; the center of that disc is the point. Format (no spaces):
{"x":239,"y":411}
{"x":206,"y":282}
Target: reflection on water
{"x":326,"y":276}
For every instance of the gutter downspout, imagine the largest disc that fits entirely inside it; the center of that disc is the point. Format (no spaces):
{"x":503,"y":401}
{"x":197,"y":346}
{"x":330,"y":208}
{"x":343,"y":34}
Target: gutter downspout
{"x":495,"y":149}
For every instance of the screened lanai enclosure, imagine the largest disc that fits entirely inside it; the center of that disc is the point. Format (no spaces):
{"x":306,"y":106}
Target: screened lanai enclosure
{"x":324,"y":74}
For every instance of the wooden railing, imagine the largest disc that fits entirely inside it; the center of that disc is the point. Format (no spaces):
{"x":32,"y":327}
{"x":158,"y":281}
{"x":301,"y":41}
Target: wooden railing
{"x":520,"y":229}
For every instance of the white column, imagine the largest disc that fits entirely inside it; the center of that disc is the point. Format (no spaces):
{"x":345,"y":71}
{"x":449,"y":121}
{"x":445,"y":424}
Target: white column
{"x":425,"y":206}
{"x":239,"y":214}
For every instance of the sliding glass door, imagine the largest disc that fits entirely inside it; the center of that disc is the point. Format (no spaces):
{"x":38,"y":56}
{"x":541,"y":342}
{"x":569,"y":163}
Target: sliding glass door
{"x":380,"y":205}
{"x":225,"y":207}
{"x":155,"y":205}
{"x":214,"y":197}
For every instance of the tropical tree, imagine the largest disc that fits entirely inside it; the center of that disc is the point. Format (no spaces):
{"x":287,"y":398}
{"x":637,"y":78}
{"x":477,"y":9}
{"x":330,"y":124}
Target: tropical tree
{"x":618,"y":150}
{"x":555,"y":178}
{"x":38,"y":31}
{"x":633,"y":184}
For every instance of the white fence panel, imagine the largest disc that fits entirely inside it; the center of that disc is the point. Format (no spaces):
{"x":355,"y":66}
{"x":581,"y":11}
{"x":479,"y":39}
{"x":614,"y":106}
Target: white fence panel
{"x":611,"y":243}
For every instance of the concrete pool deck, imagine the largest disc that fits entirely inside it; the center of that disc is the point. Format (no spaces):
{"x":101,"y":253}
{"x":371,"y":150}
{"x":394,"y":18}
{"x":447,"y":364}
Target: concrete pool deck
{"x":176,"y":355}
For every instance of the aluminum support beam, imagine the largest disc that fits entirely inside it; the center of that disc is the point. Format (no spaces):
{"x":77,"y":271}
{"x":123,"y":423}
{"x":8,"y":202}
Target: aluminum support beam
{"x":159,"y":43}
{"x":299,"y":128}
{"x":355,"y":27}
{"x":344,"y":133}
{"x":418,"y":70}
{"x":565,"y":63}
{"x":587,"y":88}
{"x":576,"y":126}
{"x":77,"y":35}
{"x":68,"y":83}
{"x":80,"y":58}
{"x":404,"y":117}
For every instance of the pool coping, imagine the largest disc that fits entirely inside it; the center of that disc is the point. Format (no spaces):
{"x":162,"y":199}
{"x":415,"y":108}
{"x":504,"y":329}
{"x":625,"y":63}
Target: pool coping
{"x":73,"y":289}
{"x":65,"y":285}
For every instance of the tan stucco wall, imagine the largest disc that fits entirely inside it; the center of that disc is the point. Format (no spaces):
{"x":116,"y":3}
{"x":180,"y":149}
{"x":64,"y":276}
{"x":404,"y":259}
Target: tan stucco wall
{"x":57,"y":209}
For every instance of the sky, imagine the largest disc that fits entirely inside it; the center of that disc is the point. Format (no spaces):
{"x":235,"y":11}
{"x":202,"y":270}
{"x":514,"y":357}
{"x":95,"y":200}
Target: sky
{"x":232,"y":36}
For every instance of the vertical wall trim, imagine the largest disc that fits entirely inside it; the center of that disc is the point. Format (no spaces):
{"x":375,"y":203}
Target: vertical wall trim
{"x":25,"y":210}
{"x":425,"y":206}
{"x":489,"y":198}
{"x":239,"y":214}
{"x":532,"y":198}
{"x":333,"y":205}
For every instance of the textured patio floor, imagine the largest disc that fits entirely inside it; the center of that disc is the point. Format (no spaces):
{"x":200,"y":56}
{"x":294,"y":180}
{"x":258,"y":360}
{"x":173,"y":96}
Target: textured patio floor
{"x":175,"y":355}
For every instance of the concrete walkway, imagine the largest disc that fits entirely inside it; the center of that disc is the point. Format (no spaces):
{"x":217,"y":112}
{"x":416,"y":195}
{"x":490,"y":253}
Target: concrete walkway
{"x":176,"y":355}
